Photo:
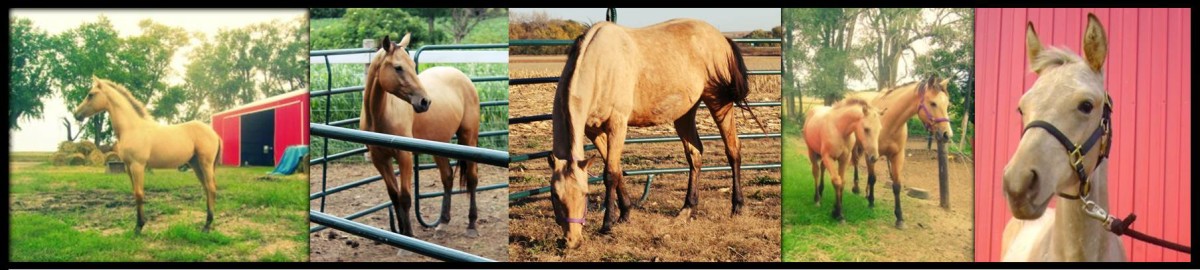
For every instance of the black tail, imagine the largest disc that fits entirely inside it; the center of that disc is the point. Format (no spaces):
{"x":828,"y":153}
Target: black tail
{"x":739,"y":84}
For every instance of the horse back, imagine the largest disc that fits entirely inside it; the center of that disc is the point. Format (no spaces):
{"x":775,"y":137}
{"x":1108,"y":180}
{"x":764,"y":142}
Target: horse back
{"x":455,"y":104}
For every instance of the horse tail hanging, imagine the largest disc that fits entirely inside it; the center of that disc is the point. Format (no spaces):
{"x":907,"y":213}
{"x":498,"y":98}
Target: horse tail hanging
{"x":739,"y":85}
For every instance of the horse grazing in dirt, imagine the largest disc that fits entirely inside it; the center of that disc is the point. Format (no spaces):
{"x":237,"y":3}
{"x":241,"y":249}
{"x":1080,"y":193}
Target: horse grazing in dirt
{"x":1066,"y":107}
{"x":144,"y":143}
{"x":617,"y":77}
{"x":929,"y":101}
{"x":436,"y":105}
{"x":830,"y":134}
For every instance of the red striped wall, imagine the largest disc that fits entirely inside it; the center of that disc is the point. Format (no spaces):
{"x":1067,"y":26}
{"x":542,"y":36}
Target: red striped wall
{"x":1147,"y":73}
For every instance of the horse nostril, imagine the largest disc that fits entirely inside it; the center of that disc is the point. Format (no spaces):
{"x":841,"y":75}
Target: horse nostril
{"x":1033,"y":181}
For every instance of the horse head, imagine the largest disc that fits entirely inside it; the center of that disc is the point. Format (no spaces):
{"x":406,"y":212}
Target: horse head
{"x":1069,"y":95}
{"x":98,"y":100}
{"x":568,"y":194}
{"x":396,"y":73}
{"x":868,"y":131}
{"x":935,"y":101}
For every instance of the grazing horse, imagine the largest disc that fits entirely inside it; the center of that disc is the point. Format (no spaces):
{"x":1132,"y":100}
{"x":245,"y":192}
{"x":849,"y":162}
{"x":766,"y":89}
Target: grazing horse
{"x":144,"y":143}
{"x":929,"y":101}
{"x":830,"y":133}
{"x":436,"y":105}
{"x":1067,"y":105}
{"x":617,"y":77}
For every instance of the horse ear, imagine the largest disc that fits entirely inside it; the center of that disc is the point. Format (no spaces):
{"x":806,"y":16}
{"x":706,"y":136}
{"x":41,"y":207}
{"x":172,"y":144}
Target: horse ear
{"x":550,"y":161}
{"x":404,"y":41}
{"x":585,"y":164}
{"x":945,"y":84}
{"x":386,"y":44}
{"x":1095,"y":43}
{"x":95,"y":80}
{"x":1033,"y":47}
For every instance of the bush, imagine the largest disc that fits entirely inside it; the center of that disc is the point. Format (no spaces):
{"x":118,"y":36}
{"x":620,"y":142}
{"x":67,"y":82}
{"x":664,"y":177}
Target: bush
{"x":375,"y":23}
{"x":539,"y":25}
{"x":76,"y":159}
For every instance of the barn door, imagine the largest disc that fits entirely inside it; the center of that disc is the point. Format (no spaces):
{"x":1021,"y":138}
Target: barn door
{"x":258,"y":138}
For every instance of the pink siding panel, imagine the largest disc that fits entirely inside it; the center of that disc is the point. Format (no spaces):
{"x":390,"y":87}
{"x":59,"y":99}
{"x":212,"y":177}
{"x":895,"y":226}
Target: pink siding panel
{"x":1147,"y":74}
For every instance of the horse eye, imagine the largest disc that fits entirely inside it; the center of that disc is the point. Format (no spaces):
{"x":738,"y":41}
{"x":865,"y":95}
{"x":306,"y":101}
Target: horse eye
{"x":1019,"y":111}
{"x":1085,"y":107}
{"x":399,"y":69}
{"x":868,"y":130}
{"x":931,"y":104}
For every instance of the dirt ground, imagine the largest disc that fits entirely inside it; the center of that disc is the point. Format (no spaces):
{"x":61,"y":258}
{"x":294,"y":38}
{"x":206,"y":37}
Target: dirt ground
{"x":336,"y":246}
{"x":653,"y":232}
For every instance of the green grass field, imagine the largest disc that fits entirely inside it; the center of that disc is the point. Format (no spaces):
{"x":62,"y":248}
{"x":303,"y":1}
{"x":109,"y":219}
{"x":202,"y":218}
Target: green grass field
{"x":809,"y":232}
{"x":82,"y":214}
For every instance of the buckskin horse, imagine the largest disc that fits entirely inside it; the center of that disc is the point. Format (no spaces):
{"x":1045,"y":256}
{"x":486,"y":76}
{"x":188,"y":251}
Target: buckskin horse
{"x":436,"y":105}
{"x":617,"y":77}
{"x":929,"y":101}
{"x":144,"y":143}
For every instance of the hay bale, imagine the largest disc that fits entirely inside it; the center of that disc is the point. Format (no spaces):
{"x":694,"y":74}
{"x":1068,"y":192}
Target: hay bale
{"x":111,"y":156}
{"x":76,"y":159}
{"x":58,"y":159}
{"x":106,"y":148}
{"x":87,"y":148}
{"x":96,"y":158}
{"x":68,"y":147}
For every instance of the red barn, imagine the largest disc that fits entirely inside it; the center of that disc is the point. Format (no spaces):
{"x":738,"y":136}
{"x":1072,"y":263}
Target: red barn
{"x":1148,"y":74}
{"x":256,"y":134}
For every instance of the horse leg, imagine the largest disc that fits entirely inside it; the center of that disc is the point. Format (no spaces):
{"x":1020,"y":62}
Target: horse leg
{"x":854,"y":154}
{"x":383,"y":163}
{"x":447,"y":175}
{"x":838,"y":187}
{"x":405,"y":160}
{"x":818,"y":174}
{"x":895,"y":164}
{"x":685,"y":127}
{"x":468,"y":174}
{"x":204,"y":172}
{"x":871,"y":183}
{"x":137,"y":174}
{"x":722,"y":112}
{"x":612,"y":170}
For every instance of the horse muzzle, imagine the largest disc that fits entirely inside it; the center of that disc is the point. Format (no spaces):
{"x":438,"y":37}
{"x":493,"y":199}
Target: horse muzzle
{"x":420,"y":104}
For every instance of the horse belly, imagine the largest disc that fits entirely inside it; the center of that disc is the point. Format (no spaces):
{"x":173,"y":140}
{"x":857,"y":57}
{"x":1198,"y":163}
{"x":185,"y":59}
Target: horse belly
{"x":170,"y":150}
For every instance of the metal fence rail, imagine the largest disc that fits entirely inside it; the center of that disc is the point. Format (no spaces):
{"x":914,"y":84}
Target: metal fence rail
{"x":393,"y":239}
{"x":650,"y":173}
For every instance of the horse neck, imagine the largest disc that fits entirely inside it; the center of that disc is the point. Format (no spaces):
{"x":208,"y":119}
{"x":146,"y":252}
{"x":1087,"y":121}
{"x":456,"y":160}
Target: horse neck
{"x":125,"y":120}
{"x":847,"y":121}
{"x":1078,"y":237}
{"x":374,"y":104}
{"x":901,"y":106}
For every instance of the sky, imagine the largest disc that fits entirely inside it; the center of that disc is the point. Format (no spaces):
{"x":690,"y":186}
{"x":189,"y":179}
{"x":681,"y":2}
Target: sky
{"x":906,"y":65}
{"x":45,"y":134}
{"x":725,"y":19}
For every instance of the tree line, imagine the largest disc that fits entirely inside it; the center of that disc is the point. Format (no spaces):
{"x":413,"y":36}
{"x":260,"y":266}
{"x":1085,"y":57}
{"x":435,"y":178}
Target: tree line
{"x":233,"y":67}
{"x":347,"y":27}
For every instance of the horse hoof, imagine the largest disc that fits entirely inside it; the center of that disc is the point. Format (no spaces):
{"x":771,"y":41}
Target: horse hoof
{"x":472,"y":233}
{"x":605,"y":230}
{"x":855,"y":190}
{"x":205,"y":230}
{"x":684,"y":215}
{"x":841,"y":221}
{"x":900,"y":225}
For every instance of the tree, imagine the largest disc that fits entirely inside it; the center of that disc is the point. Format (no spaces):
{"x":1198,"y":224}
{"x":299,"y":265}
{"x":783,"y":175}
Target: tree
{"x":28,"y":65}
{"x":241,"y":65}
{"x":87,"y":50}
{"x":893,"y":31}
{"x":430,"y":15}
{"x":823,"y":50}
{"x":464,"y":19}
{"x":323,"y":13}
